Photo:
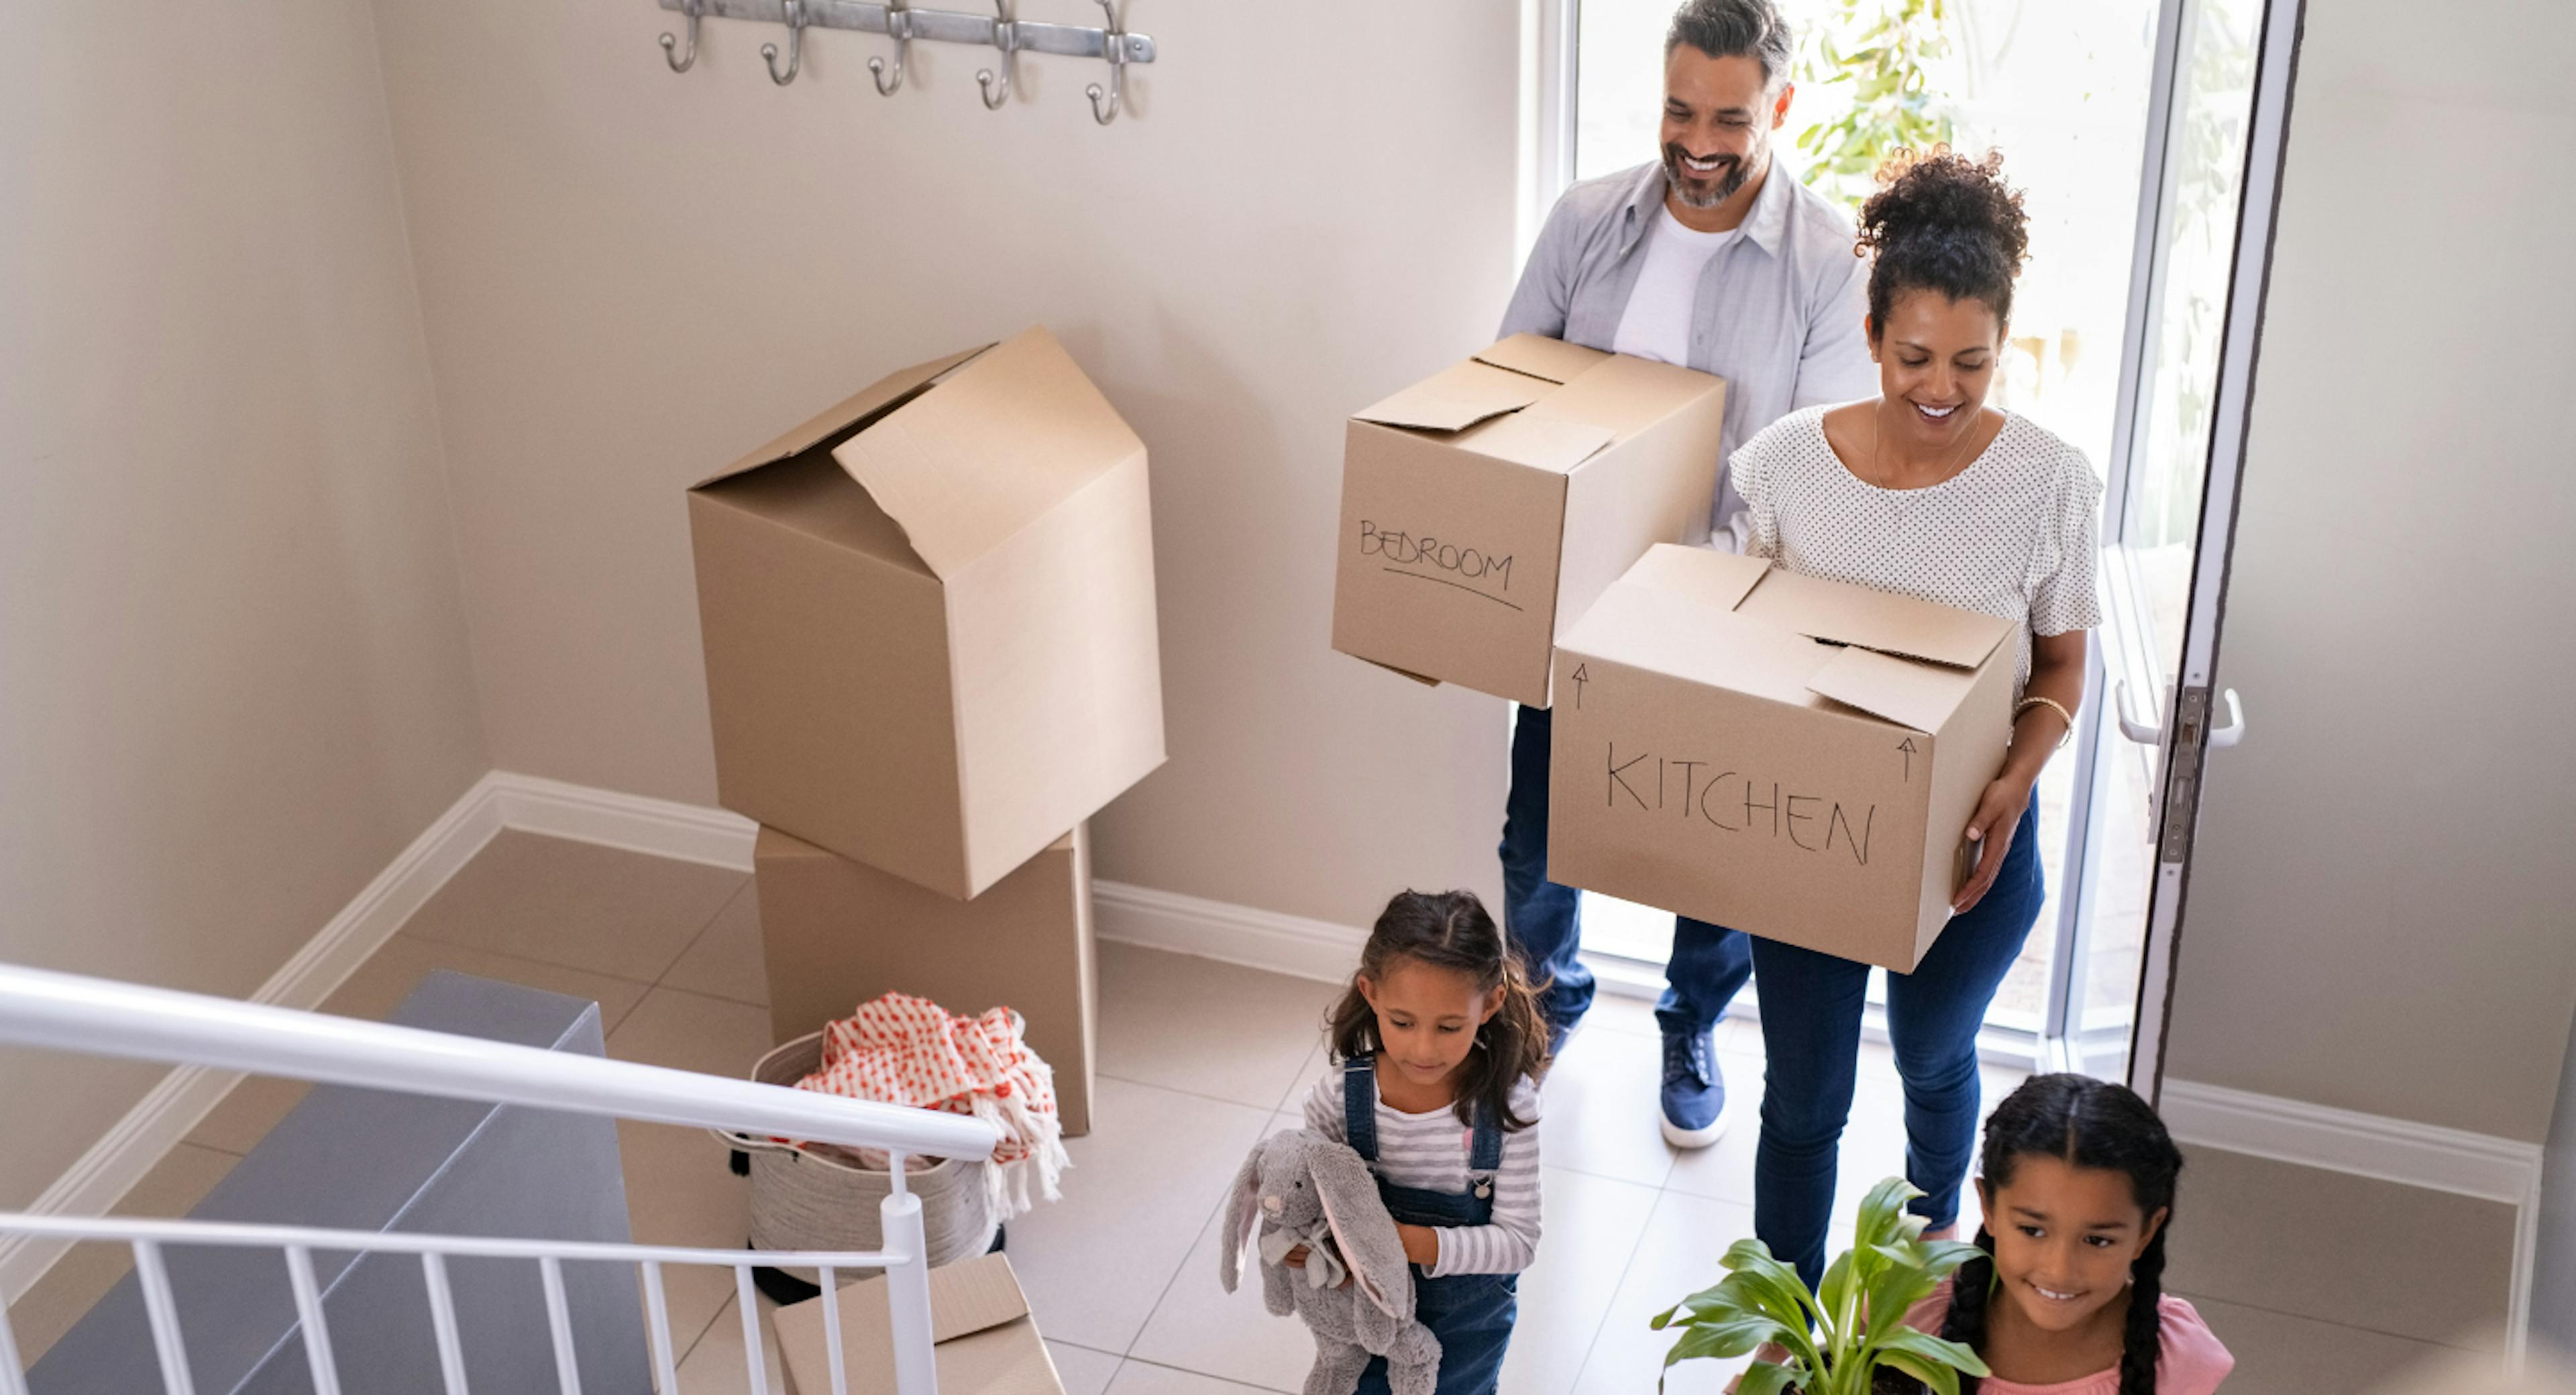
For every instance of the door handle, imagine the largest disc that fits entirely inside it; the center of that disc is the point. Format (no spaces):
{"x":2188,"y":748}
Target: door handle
{"x":2131,"y":727}
{"x":2234,"y":731}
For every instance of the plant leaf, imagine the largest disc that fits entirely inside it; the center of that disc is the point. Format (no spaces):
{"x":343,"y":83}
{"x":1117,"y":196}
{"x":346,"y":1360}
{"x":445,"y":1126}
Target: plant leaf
{"x":1923,"y":1346}
{"x":1766,"y":1378}
{"x":1778,"y":1284}
{"x":1940,"y":1257}
{"x":1879,"y":1210}
{"x":1725,"y":1339}
{"x":1939,"y":1379}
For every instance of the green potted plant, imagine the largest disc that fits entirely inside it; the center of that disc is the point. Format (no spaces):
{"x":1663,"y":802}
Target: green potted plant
{"x":1838,"y":1337}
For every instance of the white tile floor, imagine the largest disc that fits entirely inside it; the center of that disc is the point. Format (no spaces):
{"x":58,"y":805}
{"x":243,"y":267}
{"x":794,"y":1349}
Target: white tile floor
{"x":1198,"y":1060}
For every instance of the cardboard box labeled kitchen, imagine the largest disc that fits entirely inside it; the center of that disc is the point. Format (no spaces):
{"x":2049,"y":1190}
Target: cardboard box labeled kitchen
{"x":987,"y":1344}
{"x":836,"y":933}
{"x":1485,"y":508}
{"x":1790,"y":757}
{"x":929,"y":617}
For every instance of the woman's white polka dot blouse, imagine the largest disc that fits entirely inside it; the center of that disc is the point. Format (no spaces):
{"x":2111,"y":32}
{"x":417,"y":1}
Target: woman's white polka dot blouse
{"x":2012,"y":535}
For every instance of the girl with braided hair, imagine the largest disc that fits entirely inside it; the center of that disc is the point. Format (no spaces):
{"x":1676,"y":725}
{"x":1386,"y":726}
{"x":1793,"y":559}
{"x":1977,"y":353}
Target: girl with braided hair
{"x":2078,"y":1191}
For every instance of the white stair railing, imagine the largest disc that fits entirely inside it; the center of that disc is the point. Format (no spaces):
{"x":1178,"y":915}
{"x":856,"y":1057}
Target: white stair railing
{"x":99,"y":1017}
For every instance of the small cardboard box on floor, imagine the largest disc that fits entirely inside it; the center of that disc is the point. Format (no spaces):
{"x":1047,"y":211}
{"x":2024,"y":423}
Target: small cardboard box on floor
{"x":987,"y":1344}
{"x":1484,"y":508}
{"x":1789,"y":757}
{"x":929,"y":617}
{"x":836,"y":933}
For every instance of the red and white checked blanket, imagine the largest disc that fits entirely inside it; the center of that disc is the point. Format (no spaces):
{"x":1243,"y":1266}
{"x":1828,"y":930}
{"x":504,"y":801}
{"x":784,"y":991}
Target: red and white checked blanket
{"x":900,"y":1049}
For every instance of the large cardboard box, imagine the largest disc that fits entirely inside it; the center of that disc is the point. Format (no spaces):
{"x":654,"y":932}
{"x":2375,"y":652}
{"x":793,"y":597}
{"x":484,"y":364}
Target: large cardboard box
{"x":836,"y":933}
{"x":929,"y":617}
{"x":1789,"y":757}
{"x":1485,"y":508}
{"x":987,"y":1344}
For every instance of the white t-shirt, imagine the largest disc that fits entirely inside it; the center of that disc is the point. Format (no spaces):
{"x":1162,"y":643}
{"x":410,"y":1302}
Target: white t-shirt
{"x":2013,"y":535}
{"x":1657,"y":322}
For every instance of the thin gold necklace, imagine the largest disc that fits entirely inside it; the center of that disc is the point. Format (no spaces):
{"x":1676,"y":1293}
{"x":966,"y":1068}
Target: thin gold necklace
{"x":1878,"y":463}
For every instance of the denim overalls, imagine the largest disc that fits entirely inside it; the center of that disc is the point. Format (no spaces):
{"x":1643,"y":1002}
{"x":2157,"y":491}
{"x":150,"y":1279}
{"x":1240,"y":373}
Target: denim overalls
{"x":1471,"y":1314}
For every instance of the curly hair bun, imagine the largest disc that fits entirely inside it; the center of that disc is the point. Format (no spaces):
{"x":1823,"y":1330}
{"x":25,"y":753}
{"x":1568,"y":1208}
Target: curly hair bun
{"x":1944,"y":222}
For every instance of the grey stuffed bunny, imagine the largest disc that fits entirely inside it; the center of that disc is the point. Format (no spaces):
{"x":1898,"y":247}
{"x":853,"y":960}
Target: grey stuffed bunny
{"x":1300,"y":1183}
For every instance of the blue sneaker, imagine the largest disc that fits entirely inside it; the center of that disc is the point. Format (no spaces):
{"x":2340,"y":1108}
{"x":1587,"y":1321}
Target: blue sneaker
{"x":1694,"y":1101}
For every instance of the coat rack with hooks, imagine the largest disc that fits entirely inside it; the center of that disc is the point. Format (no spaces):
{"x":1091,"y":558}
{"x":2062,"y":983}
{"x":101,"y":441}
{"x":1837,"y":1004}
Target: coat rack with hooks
{"x":1000,"y":31}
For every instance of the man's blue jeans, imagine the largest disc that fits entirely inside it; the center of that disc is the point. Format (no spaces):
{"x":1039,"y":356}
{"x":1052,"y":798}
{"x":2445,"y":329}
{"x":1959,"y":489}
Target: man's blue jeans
{"x":1811,"y":1012}
{"x":1709,"y":963}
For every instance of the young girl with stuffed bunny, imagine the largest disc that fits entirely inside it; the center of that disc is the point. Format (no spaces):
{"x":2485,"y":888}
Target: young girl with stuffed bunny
{"x":1439,"y":1047}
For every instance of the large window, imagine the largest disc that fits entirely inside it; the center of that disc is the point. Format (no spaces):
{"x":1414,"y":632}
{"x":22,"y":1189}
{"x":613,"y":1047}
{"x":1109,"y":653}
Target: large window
{"x":2070,"y":92}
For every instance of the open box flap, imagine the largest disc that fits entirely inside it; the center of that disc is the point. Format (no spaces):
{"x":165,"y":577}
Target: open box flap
{"x":1542,"y":357}
{"x":1845,"y":614}
{"x":1538,"y":442}
{"x":885,"y":394}
{"x":1004,"y":438}
{"x":1910,"y":694}
{"x":1458,"y":397}
{"x":1681,"y":635}
{"x":1711,"y":577}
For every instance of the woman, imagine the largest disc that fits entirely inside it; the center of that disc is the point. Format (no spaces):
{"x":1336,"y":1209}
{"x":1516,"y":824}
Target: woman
{"x":1927,"y":492}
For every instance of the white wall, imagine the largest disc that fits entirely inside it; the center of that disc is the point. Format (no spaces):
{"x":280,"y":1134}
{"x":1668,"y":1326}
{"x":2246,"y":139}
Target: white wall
{"x":2382,"y":914}
{"x":233,"y":663}
{"x":630,"y":277}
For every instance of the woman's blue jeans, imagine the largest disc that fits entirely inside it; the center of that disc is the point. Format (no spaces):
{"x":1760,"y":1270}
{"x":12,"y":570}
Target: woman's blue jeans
{"x":1811,"y":1013}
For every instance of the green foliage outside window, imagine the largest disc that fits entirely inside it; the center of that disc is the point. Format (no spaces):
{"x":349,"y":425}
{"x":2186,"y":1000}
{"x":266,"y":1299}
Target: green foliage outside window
{"x":1872,"y":53}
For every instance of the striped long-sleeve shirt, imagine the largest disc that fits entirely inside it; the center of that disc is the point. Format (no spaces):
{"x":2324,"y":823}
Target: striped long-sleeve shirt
{"x":1429,"y":1151}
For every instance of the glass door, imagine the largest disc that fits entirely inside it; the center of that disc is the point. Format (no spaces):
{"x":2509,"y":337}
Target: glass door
{"x":2178,"y":512}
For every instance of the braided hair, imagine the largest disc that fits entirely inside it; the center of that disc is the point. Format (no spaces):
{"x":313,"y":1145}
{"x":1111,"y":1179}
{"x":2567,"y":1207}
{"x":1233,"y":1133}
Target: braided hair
{"x":1453,"y":930}
{"x":1946,"y":223}
{"x":2084,"y":1123}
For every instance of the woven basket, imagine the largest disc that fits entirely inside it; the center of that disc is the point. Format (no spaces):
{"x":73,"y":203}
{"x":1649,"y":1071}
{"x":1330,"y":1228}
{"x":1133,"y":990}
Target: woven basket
{"x":821,"y":1199}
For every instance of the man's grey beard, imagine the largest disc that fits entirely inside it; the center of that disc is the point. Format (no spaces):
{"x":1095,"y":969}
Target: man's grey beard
{"x":1737,"y":175}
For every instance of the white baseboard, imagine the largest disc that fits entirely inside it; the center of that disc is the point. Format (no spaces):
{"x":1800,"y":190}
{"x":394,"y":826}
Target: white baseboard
{"x":175,"y":1106}
{"x":1221,"y":930}
{"x":2371,"y":1145}
{"x":658,"y":827}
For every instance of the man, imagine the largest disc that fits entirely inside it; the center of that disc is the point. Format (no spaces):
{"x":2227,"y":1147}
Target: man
{"x":1716,"y":258}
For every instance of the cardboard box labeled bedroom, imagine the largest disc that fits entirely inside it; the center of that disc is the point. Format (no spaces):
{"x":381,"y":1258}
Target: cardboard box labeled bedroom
{"x":1786,"y":756}
{"x":1484,"y":508}
{"x":929,"y":618}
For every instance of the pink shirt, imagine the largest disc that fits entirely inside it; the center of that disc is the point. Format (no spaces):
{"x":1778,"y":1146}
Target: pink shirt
{"x":2193,"y":1361}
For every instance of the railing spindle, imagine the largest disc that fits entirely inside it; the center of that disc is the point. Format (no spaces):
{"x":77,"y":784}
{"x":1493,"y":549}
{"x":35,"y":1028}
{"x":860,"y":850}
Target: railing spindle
{"x":658,"y":1307}
{"x":832,"y":1331}
{"x":164,"y":1311}
{"x":308,"y":1311}
{"x":13,"y":1375}
{"x":750,"y":1306}
{"x":559,"y":1318}
{"x":442,"y":1321}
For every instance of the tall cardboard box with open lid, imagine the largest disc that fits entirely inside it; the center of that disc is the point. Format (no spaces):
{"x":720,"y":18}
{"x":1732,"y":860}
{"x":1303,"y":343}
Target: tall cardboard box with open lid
{"x":929,"y":617}
{"x":1484,"y":508}
{"x":1793,"y":758}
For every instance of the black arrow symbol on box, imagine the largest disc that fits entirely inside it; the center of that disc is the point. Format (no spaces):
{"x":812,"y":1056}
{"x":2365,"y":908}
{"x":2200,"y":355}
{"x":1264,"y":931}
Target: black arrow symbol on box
{"x":1908,"y":748}
{"x":1580,"y":678}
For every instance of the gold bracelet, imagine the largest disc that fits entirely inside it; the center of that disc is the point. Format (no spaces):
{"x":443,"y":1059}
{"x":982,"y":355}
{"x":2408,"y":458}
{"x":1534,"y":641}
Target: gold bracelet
{"x":2052,"y":705}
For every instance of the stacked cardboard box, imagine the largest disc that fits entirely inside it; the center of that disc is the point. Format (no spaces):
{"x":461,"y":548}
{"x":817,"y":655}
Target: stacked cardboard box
{"x":930,"y":644}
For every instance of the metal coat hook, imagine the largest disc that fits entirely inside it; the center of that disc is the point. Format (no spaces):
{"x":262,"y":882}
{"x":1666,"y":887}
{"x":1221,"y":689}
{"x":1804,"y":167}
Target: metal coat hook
{"x":1006,"y":37}
{"x":795,"y":45}
{"x":1114,"y":48}
{"x":694,"y":9}
{"x":899,"y":27}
